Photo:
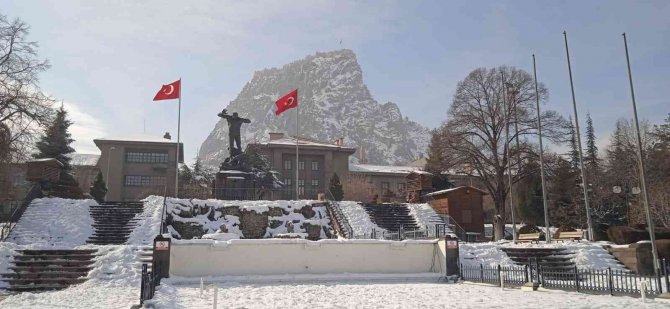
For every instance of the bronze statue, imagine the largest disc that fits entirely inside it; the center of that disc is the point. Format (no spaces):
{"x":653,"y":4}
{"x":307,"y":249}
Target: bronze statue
{"x":234,"y":124}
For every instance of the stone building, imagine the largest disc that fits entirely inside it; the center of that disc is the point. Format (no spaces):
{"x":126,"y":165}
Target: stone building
{"x":377,"y":183}
{"x":138,"y":166}
{"x":317,"y":162}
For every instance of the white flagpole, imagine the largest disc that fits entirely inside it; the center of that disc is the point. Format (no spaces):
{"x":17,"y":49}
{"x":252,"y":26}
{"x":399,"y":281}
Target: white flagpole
{"x":297,"y":136}
{"x":176,"y":177}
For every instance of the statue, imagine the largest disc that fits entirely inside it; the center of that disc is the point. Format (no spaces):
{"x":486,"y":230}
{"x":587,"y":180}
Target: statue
{"x":234,"y":124}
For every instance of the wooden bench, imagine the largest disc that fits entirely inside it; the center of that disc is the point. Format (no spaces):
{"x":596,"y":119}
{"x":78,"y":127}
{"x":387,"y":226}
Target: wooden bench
{"x":574,"y":235}
{"x":531,"y":237}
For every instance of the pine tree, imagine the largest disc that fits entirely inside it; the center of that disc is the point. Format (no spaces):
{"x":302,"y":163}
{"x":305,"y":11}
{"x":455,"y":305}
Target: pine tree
{"x":336,"y":187}
{"x":185,"y":174}
{"x":435,"y":158}
{"x":56,"y":140}
{"x":529,"y":193}
{"x":574,"y":152}
{"x":197,"y":167}
{"x":99,"y":188}
{"x":591,"y":159}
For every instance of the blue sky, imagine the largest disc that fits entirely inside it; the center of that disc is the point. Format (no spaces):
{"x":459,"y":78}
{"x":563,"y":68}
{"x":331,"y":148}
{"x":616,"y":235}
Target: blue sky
{"x":109,"y":58}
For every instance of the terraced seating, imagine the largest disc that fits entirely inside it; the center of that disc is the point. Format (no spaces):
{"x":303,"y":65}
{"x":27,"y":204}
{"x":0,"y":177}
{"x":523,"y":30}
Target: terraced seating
{"x":43,"y":270}
{"x":113,"y":222}
{"x":391,"y":217}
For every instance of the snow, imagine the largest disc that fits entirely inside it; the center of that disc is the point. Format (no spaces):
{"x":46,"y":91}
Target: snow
{"x":221,"y":236}
{"x":389,"y":293}
{"x":54,"y":223}
{"x":453,"y":189}
{"x":137,"y":138}
{"x":358,"y":219}
{"x":425,"y":216}
{"x":382,"y":169}
{"x":83,"y":159}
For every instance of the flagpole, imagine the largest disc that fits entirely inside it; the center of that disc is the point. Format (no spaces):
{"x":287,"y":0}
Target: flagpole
{"x":176,"y":177}
{"x":509,"y":159}
{"x":539,"y":133}
{"x":579,"y":143}
{"x":297,"y":136}
{"x":641,"y":167}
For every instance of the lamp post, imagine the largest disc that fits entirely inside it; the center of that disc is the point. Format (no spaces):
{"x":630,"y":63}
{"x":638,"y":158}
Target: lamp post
{"x":109,"y":156}
{"x":635,"y":191}
{"x":512,"y":91}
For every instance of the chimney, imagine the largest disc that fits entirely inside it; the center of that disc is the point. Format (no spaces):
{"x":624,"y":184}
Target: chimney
{"x":276,"y":135}
{"x":167,"y":135}
{"x":341,"y":141}
{"x":361,"y":155}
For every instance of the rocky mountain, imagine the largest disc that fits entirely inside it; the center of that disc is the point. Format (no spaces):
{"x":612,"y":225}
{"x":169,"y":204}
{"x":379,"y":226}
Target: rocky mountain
{"x":333,"y":102}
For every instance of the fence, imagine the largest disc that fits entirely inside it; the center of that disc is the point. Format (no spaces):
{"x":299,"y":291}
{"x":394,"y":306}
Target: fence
{"x":150,"y":279}
{"x":598,"y":281}
{"x":431,"y":232}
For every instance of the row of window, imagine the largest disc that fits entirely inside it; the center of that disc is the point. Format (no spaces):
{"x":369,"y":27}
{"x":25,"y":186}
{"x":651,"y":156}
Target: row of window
{"x":387,"y":187}
{"x":301,"y":183}
{"x":144,"y":181}
{"x":288,"y":165}
{"x":146,"y":157}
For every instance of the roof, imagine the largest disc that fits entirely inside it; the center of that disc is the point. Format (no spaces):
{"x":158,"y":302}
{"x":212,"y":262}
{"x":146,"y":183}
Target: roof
{"x":143,"y":138}
{"x":50,"y":161}
{"x":290,"y":141}
{"x":383,"y":169}
{"x":455,"y":189}
{"x":83,"y":159}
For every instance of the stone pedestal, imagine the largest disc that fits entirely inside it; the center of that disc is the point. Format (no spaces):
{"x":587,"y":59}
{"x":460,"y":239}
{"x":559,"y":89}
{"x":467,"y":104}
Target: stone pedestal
{"x":234,"y":185}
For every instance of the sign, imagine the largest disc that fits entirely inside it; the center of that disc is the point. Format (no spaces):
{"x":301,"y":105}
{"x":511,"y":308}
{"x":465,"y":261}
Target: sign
{"x":162,"y":245}
{"x":452,"y":244}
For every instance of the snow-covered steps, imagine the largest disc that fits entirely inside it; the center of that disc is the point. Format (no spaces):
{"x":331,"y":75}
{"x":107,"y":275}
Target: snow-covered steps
{"x":145,"y":255}
{"x":113,"y":222}
{"x":42,"y":270}
{"x":548,"y":257}
{"x":392,"y":217}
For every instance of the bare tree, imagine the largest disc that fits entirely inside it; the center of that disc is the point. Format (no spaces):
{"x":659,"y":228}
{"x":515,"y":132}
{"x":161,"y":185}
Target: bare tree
{"x":474,"y":134}
{"x":23,"y":107}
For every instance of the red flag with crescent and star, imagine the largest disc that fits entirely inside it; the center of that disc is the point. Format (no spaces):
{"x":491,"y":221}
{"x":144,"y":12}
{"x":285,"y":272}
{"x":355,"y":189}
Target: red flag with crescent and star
{"x":169,"y":91}
{"x":287,"y":102}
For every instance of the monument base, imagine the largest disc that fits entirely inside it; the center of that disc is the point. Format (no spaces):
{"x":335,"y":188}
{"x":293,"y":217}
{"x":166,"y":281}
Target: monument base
{"x":234,"y":185}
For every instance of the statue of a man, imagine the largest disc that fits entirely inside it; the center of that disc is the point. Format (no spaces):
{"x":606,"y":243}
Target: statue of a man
{"x":234,"y":124}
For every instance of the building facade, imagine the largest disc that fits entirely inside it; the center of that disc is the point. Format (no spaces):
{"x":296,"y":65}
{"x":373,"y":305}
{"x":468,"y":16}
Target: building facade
{"x":317,"y":163}
{"x":462,"y":207}
{"x":139,"y":166}
{"x":377,"y":183}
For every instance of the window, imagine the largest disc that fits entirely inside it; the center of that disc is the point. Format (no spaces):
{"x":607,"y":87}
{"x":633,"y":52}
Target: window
{"x":287,"y":182}
{"x":385,"y":187}
{"x":401,"y":187}
{"x":301,"y":165}
{"x":315,"y":183}
{"x":144,"y":181}
{"x":146,"y":157}
{"x":288,"y":164}
{"x":466,"y":216}
{"x":301,"y":186}
{"x":315,"y":165}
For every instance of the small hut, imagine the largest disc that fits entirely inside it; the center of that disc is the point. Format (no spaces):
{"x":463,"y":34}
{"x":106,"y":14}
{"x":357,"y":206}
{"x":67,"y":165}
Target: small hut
{"x":44,"y":169}
{"x":463,"y":207}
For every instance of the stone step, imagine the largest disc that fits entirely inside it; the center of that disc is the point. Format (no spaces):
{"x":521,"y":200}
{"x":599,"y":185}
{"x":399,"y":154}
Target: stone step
{"x":36,"y":287}
{"x":50,"y":274}
{"x":57,"y":251}
{"x":105,"y":242}
{"x":54,"y":257}
{"x":54,"y":263}
{"x":35,"y":269}
{"x":44,"y":281}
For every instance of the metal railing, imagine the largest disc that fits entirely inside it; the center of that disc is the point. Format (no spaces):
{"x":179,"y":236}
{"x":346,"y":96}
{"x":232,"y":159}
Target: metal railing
{"x":340,"y":222}
{"x":602,"y":281}
{"x":150,"y":280}
{"x":17,"y":211}
{"x":431,"y":232}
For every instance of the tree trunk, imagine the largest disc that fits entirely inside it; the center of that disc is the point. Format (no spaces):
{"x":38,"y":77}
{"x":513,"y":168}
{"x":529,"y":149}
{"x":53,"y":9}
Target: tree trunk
{"x":499,"y":217}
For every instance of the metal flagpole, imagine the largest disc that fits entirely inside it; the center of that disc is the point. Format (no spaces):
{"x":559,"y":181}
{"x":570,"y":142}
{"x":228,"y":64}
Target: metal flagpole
{"x":509,"y":159}
{"x":176,"y":177}
{"x":297,"y":137}
{"x":640,"y":162}
{"x":579,"y":143}
{"x":539,"y":134}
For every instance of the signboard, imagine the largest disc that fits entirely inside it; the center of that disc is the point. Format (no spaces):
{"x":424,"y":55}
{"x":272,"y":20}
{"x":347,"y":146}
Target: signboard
{"x":162,"y":245}
{"x":452,"y":244}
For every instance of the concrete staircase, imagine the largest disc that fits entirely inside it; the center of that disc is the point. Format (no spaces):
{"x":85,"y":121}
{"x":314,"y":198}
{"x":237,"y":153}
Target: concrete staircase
{"x":391,"y":217}
{"x":113,"y":222}
{"x":43,"y":270}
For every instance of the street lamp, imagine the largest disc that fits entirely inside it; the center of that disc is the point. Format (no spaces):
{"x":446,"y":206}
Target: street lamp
{"x":634,"y":191}
{"x":109,"y":156}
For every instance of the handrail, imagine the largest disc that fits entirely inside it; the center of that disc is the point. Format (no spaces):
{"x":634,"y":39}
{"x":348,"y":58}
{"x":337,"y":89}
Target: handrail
{"x":342,"y":222}
{"x":460,"y":232}
{"x":13,"y":218}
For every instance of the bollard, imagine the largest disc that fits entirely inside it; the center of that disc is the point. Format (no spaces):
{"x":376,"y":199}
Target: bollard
{"x":643,"y":291}
{"x":202,"y":286}
{"x":216,"y":296}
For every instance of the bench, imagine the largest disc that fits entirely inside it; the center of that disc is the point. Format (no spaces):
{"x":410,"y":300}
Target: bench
{"x":531,"y":237}
{"x":574,"y":235}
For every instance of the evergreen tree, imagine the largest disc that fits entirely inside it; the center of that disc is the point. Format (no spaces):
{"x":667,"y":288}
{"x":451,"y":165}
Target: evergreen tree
{"x":591,"y":159}
{"x":185,"y":174}
{"x":434,"y":161}
{"x":335,"y":187}
{"x":197,"y":167}
{"x":99,"y":188}
{"x":574,"y":152}
{"x":564,"y":194}
{"x":56,"y":140}
{"x":529,"y":193}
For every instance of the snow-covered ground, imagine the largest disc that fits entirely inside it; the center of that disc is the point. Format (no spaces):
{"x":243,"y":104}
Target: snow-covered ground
{"x":374,"y":294}
{"x":425,"y":216}
{"x":358,"y":219}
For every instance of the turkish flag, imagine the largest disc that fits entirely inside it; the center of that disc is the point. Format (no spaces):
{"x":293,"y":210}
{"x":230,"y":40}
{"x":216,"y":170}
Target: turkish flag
{"x":286,"y":102}
{"x":169,"y":91}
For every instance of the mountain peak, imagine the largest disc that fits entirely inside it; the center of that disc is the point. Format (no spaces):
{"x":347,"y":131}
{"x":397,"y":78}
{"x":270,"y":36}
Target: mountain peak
{"x":334,"y":102}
